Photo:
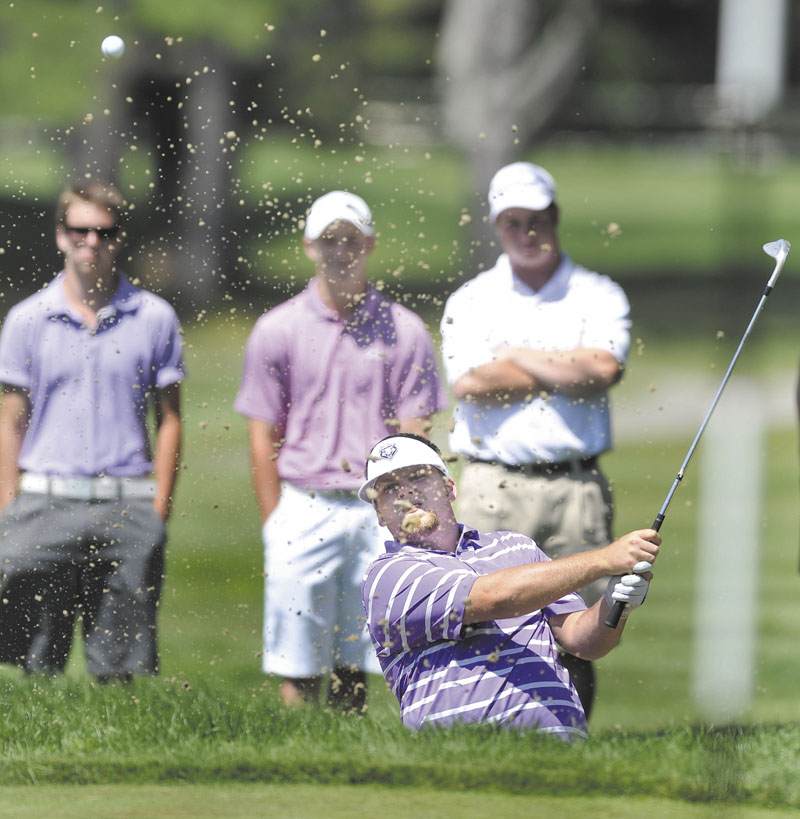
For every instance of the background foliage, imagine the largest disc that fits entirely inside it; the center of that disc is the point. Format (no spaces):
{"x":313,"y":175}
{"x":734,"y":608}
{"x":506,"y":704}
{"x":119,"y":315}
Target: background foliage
{"x":320,"y":95}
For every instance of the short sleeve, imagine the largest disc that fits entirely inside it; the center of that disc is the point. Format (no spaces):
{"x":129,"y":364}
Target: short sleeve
{"x":607,"y":324}
{"x":410,"y":603}
{"x":264,"y":388}
{"x":15,"y":355}
{"x":169,"y":352}
{"x":420,"y":391}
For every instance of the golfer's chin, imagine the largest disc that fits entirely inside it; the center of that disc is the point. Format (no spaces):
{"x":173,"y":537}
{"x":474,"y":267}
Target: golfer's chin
{"x":417,"y":525}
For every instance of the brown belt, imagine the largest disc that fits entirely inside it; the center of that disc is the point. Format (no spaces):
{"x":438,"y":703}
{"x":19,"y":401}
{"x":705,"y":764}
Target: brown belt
{"x":545,"y":468}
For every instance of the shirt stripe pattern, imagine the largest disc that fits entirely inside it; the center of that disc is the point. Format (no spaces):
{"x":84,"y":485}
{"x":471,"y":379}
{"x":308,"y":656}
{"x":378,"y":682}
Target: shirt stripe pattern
{"x":443,"y":671}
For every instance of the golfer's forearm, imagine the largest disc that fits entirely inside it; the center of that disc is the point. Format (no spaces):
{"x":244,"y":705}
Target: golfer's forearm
{"x":524,"y":589}
{"x":580,"y":372}
{"x":585,"y":633}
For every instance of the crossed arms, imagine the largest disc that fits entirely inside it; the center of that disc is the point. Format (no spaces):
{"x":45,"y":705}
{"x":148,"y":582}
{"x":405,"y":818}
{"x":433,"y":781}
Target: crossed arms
{"x":516,"y":372}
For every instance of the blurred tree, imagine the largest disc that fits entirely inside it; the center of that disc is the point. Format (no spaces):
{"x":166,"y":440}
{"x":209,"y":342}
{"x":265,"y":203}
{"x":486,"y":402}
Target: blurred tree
{"x":197,"y":79}
{"x":506,"y":66}
{"x":201,"y":79}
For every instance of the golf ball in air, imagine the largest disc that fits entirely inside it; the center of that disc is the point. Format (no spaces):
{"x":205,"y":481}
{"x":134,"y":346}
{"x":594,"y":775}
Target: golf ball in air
{"x":113,"y":46}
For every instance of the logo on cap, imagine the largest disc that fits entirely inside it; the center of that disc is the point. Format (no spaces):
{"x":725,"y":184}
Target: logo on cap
{"x":388,"y":452}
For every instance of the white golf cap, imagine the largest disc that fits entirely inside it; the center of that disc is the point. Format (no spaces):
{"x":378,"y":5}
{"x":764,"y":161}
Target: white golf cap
{"x":398,"y":452}
{"x":337,"y":206}
{"x":520,"y":185}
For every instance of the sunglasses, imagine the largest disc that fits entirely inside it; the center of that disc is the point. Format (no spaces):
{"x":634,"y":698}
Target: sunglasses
{"x":103,"y":234}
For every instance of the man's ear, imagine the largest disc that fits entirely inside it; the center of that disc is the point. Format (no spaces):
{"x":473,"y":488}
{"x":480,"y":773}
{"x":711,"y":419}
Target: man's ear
{"x":311,"y":250}
{"x":62,"y":241}
{"x":451,"y":489}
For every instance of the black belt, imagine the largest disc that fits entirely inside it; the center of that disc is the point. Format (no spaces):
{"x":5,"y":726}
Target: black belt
{"x":545,"y":468}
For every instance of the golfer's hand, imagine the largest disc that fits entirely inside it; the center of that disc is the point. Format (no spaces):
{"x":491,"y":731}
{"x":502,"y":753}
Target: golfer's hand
{"x":634,"y":552}
{"x":630,"y":589}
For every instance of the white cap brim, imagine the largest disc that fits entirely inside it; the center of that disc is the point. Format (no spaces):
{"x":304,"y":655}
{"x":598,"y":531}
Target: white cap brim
{"x":529,"y":197}
{"x":398,"y":452}
{"x":338,"y":206}
{"x":520,"y":185}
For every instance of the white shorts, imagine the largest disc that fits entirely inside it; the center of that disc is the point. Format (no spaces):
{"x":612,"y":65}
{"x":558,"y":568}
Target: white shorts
{"x":317,"y":547}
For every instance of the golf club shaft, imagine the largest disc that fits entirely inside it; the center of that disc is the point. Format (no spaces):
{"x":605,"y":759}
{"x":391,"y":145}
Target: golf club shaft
{"x":779,"y":251}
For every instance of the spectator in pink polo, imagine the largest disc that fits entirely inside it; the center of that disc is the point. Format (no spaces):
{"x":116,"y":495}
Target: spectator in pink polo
{"x":325,"y":374}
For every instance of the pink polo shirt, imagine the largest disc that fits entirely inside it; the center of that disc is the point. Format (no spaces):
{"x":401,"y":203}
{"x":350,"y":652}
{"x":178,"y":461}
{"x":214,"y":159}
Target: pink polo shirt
{"x":335,"y":385}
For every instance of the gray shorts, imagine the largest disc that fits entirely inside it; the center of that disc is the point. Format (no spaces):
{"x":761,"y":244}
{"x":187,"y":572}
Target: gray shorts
{"x":563,"y":513}
{"x":101,"y":562}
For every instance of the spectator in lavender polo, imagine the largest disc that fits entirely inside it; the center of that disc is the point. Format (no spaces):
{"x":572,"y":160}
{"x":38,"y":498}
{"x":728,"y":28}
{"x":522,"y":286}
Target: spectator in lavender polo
{"x":83,"y":527}
{"x":467,"y":625}
{"x":325,"y":374}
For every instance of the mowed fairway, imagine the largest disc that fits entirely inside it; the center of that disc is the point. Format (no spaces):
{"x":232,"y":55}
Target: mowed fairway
{"x":333,"y":802}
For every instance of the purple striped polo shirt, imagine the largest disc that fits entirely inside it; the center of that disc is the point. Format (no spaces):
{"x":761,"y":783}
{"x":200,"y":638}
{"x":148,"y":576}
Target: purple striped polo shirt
{"x":337,"y":385}
{"x":443,"y":671}
{"x":89,"y":389}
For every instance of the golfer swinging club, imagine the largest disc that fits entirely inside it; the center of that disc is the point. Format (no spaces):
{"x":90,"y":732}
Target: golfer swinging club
{"x":466,"y":625}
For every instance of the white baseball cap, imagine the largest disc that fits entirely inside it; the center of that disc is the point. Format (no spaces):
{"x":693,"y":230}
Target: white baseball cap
{"x":337,"y":206}
{"x":520,"y":185}
{"x":398,"y":452}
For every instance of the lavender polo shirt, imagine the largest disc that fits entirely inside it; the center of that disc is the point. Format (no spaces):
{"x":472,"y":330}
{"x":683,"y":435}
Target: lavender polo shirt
{"x":443,"y":671}
{"x":89,"y":389}
{"x":334,"y":385}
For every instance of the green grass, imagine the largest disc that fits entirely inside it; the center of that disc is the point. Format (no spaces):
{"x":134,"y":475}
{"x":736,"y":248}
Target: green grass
{"x":156,"y":731}
{"x":340,"y":802}
{"x":628,"y":212}
{"x":212,"y":718}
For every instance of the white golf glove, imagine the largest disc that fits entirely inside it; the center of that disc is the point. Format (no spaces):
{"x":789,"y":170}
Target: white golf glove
{"x":630,"y":589}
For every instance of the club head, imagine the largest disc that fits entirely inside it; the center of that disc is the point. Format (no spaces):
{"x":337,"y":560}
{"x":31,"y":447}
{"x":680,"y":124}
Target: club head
{"x":779,"y":250}
{"x":780,"y":247}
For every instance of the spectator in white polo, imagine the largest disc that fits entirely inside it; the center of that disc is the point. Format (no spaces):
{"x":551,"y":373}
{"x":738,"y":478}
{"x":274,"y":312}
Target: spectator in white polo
{"x":325,"y":374}
{"x":530,"y":348}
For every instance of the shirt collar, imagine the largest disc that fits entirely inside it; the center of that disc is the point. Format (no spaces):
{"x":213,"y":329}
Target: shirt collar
{"x":367,"y":310}
{"x":125,"y":300}
{"x":467,"y":539}
{"x":553,"y":289}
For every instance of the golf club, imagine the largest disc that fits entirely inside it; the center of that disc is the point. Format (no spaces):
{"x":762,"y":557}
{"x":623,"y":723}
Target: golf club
{"x":778,"y":250}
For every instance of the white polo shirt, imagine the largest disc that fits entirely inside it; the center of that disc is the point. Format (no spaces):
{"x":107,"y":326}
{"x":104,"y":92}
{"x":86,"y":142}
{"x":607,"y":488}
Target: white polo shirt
{"x":576,"y":308}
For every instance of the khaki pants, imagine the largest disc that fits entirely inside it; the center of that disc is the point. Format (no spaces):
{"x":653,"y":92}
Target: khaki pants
{"x":564,"y":513}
